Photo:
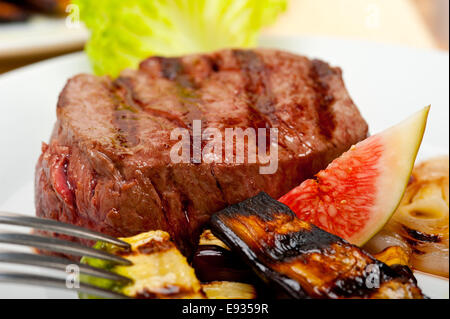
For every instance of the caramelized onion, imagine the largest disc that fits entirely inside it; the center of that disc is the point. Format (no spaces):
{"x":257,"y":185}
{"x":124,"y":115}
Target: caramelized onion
{"x":421,"y":221}
{"x":384,"y":239}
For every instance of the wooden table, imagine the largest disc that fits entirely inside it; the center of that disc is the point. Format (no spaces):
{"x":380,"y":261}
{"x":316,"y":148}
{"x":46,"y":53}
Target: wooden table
{"x":14,"y":63}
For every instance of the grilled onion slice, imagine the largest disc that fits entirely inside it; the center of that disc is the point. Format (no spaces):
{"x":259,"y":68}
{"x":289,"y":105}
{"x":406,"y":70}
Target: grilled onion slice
{"x":394,"y":255}
{"x":420,"y":224}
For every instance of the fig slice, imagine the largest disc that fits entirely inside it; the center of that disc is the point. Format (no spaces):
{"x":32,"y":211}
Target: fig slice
{"x":358,"y":192}
{"x":303,"y":260}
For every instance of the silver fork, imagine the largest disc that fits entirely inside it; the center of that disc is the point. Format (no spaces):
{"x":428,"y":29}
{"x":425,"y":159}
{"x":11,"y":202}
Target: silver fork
{"x":59,"y":246}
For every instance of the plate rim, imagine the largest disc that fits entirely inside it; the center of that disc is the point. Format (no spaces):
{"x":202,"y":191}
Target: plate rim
{"x":272,"y":38}
{"x":77,"y":55}
{"x":53,"y":43}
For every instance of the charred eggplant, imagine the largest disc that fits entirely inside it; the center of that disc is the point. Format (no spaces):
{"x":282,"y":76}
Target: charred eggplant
{"x":302,"y":259}
{"x":222,"y":272}
{"x":213,"y":261}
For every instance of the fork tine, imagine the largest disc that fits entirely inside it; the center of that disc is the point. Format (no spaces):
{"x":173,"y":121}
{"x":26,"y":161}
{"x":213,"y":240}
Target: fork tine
{"x":58,"y":227}
{"x":60,"y":246}
{"x":58,"y":264}
{"x":60,"y":283}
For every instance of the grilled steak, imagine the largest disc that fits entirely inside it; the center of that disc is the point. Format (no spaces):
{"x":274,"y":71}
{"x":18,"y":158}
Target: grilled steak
{"x":108,"y":166}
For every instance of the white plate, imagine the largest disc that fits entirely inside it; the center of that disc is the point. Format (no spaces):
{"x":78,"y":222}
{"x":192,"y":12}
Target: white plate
{"x":387,"y":83}
{"x":40,"y":35}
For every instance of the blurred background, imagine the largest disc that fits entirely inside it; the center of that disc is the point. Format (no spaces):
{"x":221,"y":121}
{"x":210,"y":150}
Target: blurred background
{"x":34,"y":30}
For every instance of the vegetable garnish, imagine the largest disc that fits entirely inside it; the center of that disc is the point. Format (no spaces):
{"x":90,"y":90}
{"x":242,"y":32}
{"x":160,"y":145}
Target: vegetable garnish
{"x":126,"y":32}
{"x":303,"y":260}
{"x":159,"y":270}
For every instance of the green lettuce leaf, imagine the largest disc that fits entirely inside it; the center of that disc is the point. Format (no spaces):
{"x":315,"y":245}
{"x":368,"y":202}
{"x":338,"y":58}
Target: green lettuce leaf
{"x":125,"y":32}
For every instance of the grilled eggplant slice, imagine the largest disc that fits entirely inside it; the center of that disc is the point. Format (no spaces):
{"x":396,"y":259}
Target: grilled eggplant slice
{"x":214,"y":261}
{"x":222,"y":272}
{"x":207,"y":238}
{"x":159,"y":270}
{"x":302,"y":259}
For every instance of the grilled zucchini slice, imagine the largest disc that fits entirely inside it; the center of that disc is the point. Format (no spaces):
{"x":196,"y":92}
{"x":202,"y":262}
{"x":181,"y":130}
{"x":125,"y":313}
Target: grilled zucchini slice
{"x":159,"y":270}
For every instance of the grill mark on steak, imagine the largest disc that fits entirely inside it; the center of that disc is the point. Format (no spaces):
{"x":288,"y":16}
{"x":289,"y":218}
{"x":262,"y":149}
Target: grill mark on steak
{"x":187,"y":92}
{"x":124,"y":86}
{"x":172,"y":69}
{"x":319,"y":71}
{"x":262,"y":111}
{"x":213,"y":64}
{"x":133,"y":99}
{"x":124,"y":117}
{"x":257,"y":88}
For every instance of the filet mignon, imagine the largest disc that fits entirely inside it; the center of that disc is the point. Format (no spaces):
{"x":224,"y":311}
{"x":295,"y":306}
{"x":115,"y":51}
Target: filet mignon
{"x":108,"y":167}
